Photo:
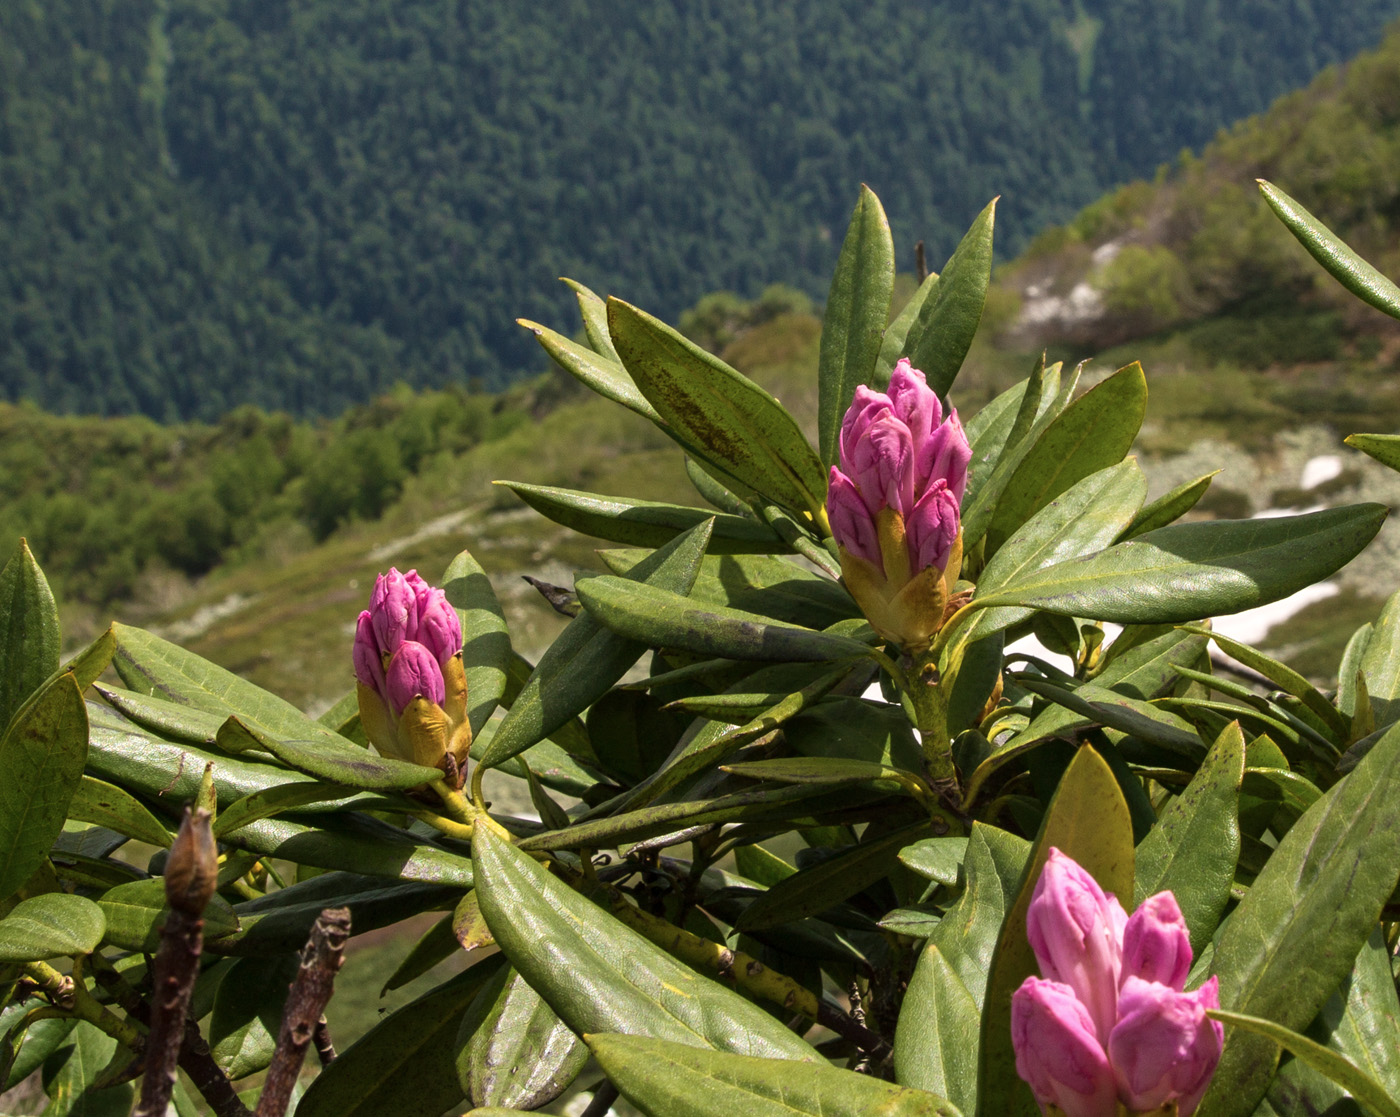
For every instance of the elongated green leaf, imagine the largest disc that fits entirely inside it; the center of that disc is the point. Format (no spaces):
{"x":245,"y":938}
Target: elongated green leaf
{"x":1169,"y":507}
{"x":134,"y":914}
{"x":653,"y":616}
{"x":50,"y":926}
{"x":647,"y":822}
{"x":328,"y":756}
{"x":813,"y":890}
{"x":248,"y":1013}
{"x":107,"y":805}
{"x":437,"y":944}
{"x":1385,"y":448}
{"x":155,"y":667}
{"x":1381,"y":663}
{"x":486,"y":650}
{"x":897,"y":332}
{"x":594,"y":311}
{"x":1092,"y":434}
{"x":1362,"y":1018}
{"x":515,"y":1052}
{"x":168,"y":719}
{"x":1083,"y":520}
{"x":603,"y":373}
{"x":587,"y":658}
{"x":771,"y":587}
{"x":857,"y":308}
{"x":672,"y":1080}
{"x":404,"y":1064}
{"x":966,"y":937}
{"x":1336,"y":1067}
{"x":1128,"y":715}
{"x":274,"y":801}
{"x":1088,"y":820}
{"x":42,"y":754}
{"x":644,"y":523}
{"x":599,"y":975}
{"x":29,"y":635}
{"x":1188,"y":571}
{"x":40,"y":1040}
{"x":1193,"y":849}
{"x":1329,"y":250}
{"x":937,"y":859}
{"x":75,"y":1070}
{"x":935,"y":1044}
{"x":1295,"y":934}
{"x":714,"y":492}
{"x":740,"y":427}
{"x":941,"y":335}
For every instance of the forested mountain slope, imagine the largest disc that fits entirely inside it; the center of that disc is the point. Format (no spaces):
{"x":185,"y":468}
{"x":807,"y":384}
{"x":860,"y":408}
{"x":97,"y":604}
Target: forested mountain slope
{"x":295,"y":203}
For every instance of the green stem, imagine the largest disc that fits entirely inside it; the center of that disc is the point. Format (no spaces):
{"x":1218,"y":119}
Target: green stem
{"x":931,"y":719}
{"x":71,"y":995}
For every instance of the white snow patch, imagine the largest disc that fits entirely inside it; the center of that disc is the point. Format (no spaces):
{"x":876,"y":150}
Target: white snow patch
{"x":203,"y":618}
{"x":1320,"y":470}
{"x":1251,"y":626}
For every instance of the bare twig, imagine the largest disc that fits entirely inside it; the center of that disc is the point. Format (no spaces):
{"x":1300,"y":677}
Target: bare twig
{"x":321,"y":1040}
{"x":191,"y":875}
{"x":310,"y":993}
{"x":920,"y":263}
{"x":603,"y":1098}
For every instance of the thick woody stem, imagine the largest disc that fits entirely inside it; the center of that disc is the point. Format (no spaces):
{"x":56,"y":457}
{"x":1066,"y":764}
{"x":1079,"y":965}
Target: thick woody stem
{"x":321,"y":958}
{"x":321,"y":1040}
{"x":191,"y":876}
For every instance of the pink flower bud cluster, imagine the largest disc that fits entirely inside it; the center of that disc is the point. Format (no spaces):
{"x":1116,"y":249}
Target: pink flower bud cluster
{"x":1110,"y":1022}
{"x":898,"y":452}
{"x":405,"y":639}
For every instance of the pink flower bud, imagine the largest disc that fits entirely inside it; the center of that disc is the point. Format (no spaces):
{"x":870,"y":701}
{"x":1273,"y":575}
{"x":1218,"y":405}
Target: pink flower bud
{"x":1164,"y":1047}
{"x":393,"y":608}
{"x":883,"y":465}
{"x":1058,"y":1052}
{"x":1077,"y":933}
{"x":439,"y":629}
{"x":914,"y":402}
{"x":945,"y":455}
{"x":414,"y":672}
{"x":850,"y":519}
{"x":369,"y":667}
{"x":1156,"y":944}
{"x":932,"y":528}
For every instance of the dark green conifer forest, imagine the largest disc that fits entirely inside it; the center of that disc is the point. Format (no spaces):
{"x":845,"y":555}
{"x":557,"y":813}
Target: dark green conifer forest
{"x":297,"y":203}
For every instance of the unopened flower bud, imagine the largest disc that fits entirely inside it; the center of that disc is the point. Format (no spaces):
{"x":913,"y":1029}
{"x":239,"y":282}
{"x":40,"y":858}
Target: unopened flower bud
{"x":412,"y":683}
{"x":192,"y":868}
{"x":1156,"y":943}
{"x":894,"y":506}
{"x":1058,"y":1051}
{"x":1164,"y":1046}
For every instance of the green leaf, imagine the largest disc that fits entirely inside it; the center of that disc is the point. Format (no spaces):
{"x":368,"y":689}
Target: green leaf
{"x":29,"y":634}
{"x":1329,"y":250}
{"x":1188,"y":571}
{"x":1193,"y":849}
{"x":739,"y":426}
{"x":248,"y":1013}
{"x":936,"y":859}
{"x":41,"y":755}
{"x":600,"y":975}
{"x":50,"y":926}
{"x":515,"y":1052}
{"x":40,"y":1040}
{"x":486,"y":647}
{"x":654,"y":617}
{"x":404,"y":1065}
{"x":273,"y":801}
{"x":157,"y":668}
{"x":1336,"y":1067}
{"x":136,"y":911}
{"x":1088,"y":820}
{"x":941,"y":335}
{"x":857,"y":309}
{"x":966,"y":937}
{"x":1300,"y":926}
{"x":594,"y":312}
{"x":815,"y":889}
{"x":935,"y":1043}
{"x":1085,"y":519}
{"x":107,"y":805}
{"x":1169,"y":507}
{"x":672,"y":1080}
{"x":897,"y":332}
{"x":167,"y":719}
{"x":328,"y":756}
{"x":644,"y":523}
{"x":1385,"y":448}
{"x":601,"y":372}
{"x":437,"y":943}
{"x":71,"y":1072}
{"x":586,"y":659}
{"x":1128,"y":715}
{"x":1381,"y":663}
{"x":1092,"y":434}
{"x":1362,"y":1018}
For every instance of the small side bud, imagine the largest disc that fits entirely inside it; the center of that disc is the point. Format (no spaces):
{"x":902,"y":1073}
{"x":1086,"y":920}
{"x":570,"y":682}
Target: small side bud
{"x":192,"y":870}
